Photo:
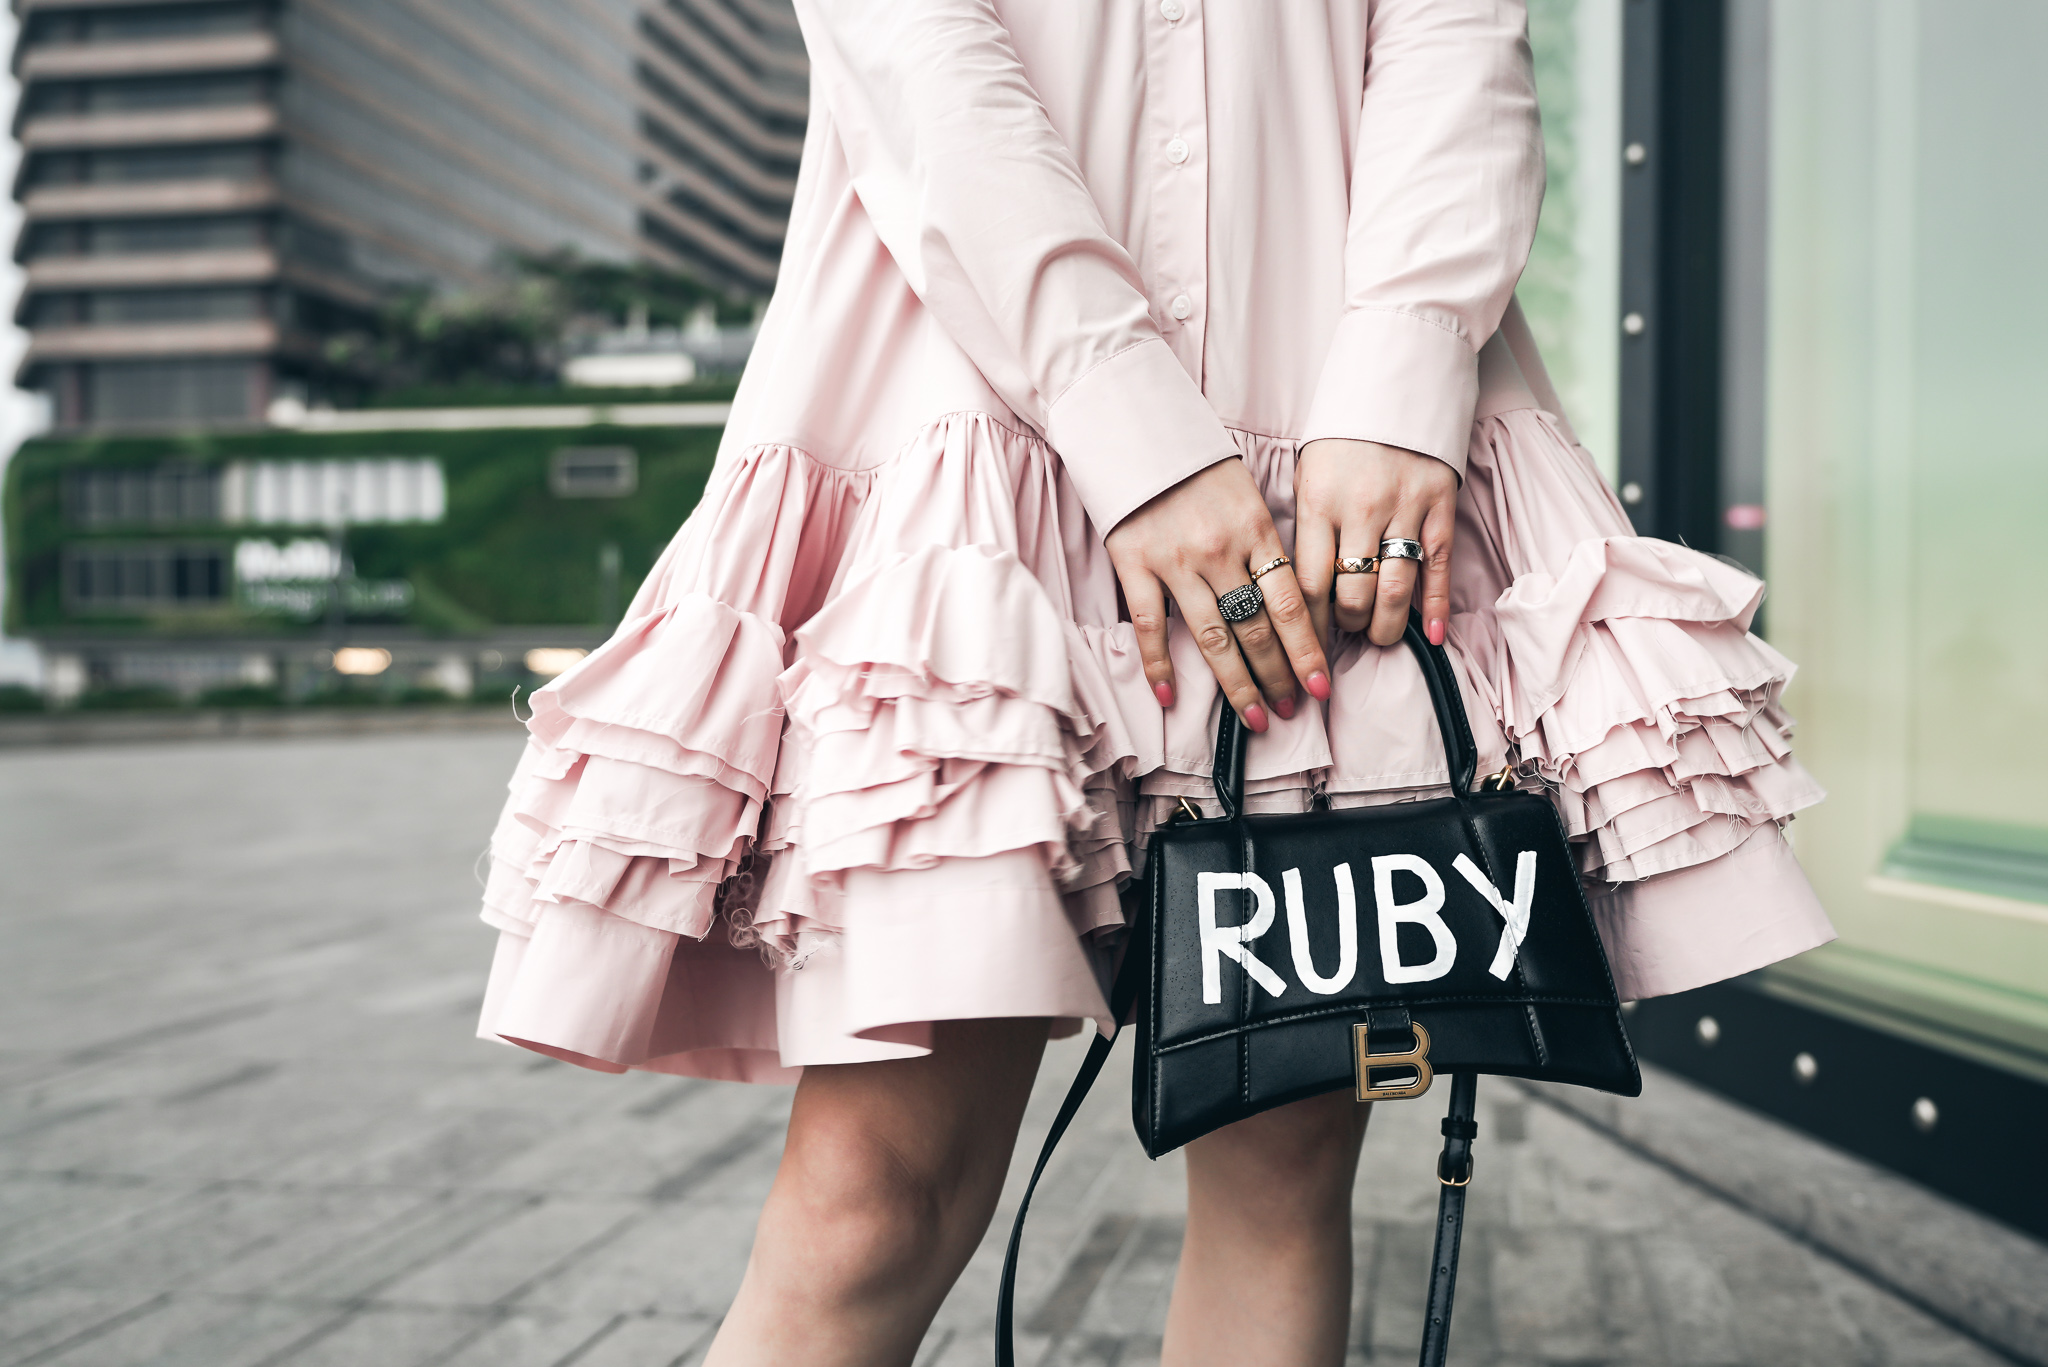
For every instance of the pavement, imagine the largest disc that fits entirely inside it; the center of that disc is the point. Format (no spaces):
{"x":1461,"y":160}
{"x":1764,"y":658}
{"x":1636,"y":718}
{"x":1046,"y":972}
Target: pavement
{"x":74,"y":726}
{"x":244,"y":1122}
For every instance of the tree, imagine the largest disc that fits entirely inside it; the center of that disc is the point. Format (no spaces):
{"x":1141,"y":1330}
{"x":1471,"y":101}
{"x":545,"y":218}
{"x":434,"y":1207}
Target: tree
{"x":516,"y":330}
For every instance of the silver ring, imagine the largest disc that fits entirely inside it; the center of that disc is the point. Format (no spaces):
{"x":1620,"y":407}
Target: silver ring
{"x":1400,"y":548}
{"x":1241,"y":604}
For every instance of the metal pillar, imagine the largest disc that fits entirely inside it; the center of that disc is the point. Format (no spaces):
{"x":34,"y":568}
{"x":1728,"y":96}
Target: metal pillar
{"x":1674,"y":60}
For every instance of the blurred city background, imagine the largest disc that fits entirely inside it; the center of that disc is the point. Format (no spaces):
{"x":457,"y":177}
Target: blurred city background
{"x":367,"y":353}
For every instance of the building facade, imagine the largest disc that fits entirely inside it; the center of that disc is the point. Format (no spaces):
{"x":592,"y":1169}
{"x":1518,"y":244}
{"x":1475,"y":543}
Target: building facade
{"x":212,"y":189}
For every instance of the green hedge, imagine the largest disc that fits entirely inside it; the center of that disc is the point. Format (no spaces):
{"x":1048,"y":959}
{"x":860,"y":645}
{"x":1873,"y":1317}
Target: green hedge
{"x":508,"y":553}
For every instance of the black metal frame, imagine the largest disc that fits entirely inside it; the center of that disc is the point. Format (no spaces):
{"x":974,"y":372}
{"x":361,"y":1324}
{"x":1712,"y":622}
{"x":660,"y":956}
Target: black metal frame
{"x":1673,"y":108}
{"x":1676,"y":244}
{"x":1862,"y":1092}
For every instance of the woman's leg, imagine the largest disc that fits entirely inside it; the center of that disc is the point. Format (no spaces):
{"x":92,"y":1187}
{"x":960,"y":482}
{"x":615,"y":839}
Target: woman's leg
{"x":888,"y":1179}
{"x":1265,"y":1274}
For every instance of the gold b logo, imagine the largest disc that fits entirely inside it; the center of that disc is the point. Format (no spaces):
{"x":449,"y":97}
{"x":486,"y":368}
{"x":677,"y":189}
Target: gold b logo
{"x":1411,"y":1067}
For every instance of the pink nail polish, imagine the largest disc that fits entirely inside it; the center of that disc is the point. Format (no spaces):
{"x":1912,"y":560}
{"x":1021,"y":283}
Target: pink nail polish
{"x":1163,"y":692}
{"x":1436,"y":632}
{"x":1285,"y":707}
{"x":1318,"y":687}
{"x":1255,"y":717}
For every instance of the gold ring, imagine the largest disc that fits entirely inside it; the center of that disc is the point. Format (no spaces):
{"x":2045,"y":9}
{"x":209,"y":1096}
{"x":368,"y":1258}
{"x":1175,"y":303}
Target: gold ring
{"x":1358,"y":564}
{"x":1275,"y":563}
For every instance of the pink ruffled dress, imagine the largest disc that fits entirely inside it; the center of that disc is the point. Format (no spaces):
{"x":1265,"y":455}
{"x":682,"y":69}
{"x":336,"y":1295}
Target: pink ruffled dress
{"x":873,"y":748}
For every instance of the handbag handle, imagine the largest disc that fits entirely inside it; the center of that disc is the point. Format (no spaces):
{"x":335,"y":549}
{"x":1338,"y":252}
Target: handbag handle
{"x":1461,"y":754}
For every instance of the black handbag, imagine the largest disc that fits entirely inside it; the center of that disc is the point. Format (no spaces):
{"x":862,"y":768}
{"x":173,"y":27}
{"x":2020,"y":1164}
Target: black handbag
{"x":1278,"y":957}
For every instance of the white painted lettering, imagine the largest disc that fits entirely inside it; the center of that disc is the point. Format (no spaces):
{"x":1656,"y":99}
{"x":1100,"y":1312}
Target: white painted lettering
{"x":1233,"y":942}
{"x":1347,"y":933}
{"x":1422,"y":912}
{"x":1515,"y":913}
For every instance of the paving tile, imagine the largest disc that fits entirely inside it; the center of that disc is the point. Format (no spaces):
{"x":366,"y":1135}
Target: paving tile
{"x":1546,"y":1294}
{"x":1399,"y":1276}
{"x":1899,"y":1335}
{"x":1691,"y":1302}
{"x":193,"y":1332}
{"x":445,"y":1151}
{"x":205,"y":1235}
{"x":251,"y":1127}
{"x":33,"y":1320}
{"x":1783,"y":1315}
{"x":647,"y":1341}
{"x":681,"y":1259}
{"x":1059,"y":1310}
{"x":533,"y":1245}
{"x":1131,"y":1299}
{"x":309,"y":1257}
{"x":422,"y":1233}
{"x":622,"y":1153}
{"x":389,"y":1336}
{"x":525,"y":1340}
{"x":40,"y":1212}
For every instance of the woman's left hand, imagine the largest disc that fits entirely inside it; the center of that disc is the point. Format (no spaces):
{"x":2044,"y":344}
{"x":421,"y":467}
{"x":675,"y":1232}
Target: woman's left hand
{"x":1348,"y":497}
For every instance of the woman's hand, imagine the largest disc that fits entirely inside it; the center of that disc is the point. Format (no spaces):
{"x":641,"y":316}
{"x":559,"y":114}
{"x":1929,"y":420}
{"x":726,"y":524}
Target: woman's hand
{"x":1195,"y":542}
{"x":1348,"y":497}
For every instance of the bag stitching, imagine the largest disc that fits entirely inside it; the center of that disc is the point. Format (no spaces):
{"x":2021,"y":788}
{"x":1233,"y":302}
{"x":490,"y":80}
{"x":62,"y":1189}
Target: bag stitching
{"x":1352,"y":1009}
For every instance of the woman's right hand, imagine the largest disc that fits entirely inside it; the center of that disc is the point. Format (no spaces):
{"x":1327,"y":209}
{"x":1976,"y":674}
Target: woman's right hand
{"x":1195,"y":542}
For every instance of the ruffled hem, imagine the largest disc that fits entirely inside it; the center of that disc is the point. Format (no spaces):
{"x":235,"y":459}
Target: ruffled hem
{"x":644,"y":774}
{"x":1623,"y":672}
{"x":918,"y":735}
{"x":947,"y":747}
{"x":858,"y":762}
{"x":1755,"y":898}
{"x":963,"y":939}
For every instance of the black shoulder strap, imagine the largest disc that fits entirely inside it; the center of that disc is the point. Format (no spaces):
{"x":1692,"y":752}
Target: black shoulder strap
{"x":1453,"y":1170}
{"x":1121,"y":994}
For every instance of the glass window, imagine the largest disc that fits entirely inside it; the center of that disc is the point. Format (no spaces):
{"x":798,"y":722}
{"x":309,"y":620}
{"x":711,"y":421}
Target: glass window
{"x":318,"y":493}
{"x":1569,"y":290}
{"x":1908,"y":478}
{"x":130,"y":23}
{"x":146,"y":164}
{"x":154,"y":495}
{"x":153,"y":92}
{"x":115,"y":578}
{"x":133,"y":236}
{"x":170,"y":391}
{"x":146,"y":306}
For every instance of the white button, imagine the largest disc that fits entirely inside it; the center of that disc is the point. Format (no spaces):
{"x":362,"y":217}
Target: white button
{"x":1182,"y":306}
{"x":1172,"y":10}
{"x":1176,"y":151}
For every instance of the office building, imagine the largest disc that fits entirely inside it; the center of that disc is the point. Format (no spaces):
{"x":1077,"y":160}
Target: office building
{"x":214,"y":189}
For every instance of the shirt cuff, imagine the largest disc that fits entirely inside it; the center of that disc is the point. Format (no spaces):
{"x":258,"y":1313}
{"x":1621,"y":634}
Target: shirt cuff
{"x":1131,"y":428}
{"x":1397,"y":379}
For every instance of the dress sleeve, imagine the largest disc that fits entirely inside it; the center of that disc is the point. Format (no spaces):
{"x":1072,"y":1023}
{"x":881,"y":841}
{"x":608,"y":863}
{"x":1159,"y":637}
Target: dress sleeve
{"x":1446,"y":182}
{"x":984,"y":209}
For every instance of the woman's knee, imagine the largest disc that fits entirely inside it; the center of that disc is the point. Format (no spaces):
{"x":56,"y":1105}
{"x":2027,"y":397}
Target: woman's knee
{"x":851,"y":1213}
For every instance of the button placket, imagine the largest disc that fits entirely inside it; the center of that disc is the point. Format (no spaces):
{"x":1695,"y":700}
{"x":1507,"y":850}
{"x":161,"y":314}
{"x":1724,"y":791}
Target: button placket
{"x":1177,"y":232}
